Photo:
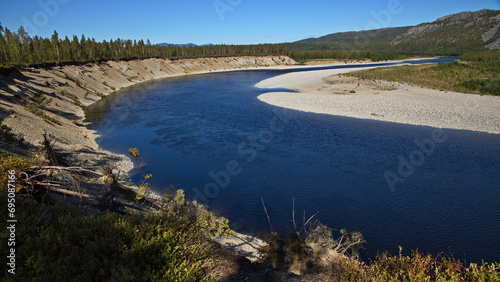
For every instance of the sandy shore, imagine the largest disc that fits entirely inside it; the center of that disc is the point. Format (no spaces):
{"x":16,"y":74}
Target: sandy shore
{"x":327,"y":92}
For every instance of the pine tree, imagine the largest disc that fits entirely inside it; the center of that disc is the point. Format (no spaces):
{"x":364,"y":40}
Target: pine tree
{"x":75,"y":49}
{"x":3,"y":47}
{"x":55,"y":46}
{"x":24,"y":40}
{"x":12,"y":46}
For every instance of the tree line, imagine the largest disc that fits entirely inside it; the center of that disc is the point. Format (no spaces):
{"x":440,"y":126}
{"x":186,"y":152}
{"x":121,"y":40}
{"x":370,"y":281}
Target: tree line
{"x":486,"y":56}
{"x":20,"y":49}
{"x":343,"y":55}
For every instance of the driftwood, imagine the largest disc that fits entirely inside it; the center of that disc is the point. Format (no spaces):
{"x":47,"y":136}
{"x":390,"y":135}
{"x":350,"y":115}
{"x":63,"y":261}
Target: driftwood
{"x":56,"y":178}
{"x":151,"y":201}
{"x":90,"y":197}
{"x":71,"y":168}
{"x":131,"y":206}
{"x":72,"y":193}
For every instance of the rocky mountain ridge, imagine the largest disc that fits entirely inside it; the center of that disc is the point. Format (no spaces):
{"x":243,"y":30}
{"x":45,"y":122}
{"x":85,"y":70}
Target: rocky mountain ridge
{"x":449,"y":35}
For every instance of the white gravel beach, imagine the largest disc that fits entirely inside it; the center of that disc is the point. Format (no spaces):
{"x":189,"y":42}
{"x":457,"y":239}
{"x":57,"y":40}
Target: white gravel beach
{"x":325,"y":92}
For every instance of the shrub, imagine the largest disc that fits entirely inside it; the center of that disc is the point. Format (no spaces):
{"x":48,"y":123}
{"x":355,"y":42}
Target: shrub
{"x":17,"y":164}
{"x":41,"y":100}
{"x":71,"y":246}
{"x":176,"y":205}
{"x":76,"y":100}
{"x":416,"y":267}
{"x":483,"y":86}
{"x":32,"y":108}
{"x":143,"y":189}
{"x":134,"y":152}
{"x":6,"y":133}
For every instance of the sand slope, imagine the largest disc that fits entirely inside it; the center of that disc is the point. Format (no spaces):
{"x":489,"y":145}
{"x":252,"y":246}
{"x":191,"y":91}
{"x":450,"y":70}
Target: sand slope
{"x":70,"y":88}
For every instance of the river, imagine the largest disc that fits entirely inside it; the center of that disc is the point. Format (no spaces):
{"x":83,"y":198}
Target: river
{"x":437,"y":190}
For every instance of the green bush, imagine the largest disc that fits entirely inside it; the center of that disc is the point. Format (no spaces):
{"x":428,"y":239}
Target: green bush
{"x":71,"y":246}
{"x":6,"y":133}
{"x":134,"y":152}
{"x":417,"y":267}
{"x":486,"y":56}
{"x":8,"y":163}
{"x":483,"y":86}
{"x":34,"y":109}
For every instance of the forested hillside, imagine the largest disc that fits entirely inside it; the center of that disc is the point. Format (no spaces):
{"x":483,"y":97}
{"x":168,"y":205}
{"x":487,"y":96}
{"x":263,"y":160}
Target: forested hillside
{"x":451,"y":35}
{"x":19,"y":48}
{"x":354,"y":40}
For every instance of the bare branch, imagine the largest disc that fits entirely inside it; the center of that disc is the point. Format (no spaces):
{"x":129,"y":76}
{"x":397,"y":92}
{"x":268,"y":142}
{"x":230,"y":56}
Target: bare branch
{"x":347,"y":247}
{"x":267,"y":214}
{"x":305,"y":224}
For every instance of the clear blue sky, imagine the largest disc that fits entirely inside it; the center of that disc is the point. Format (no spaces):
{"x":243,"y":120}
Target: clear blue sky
{"x":222,"y":21}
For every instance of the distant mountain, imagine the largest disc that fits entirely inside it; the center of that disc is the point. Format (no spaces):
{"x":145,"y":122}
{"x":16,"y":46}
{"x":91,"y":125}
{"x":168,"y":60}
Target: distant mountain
{"x":452,"y":34}
{"x":179,"y":45}
{"x":467,"y":31}
{"x":183,"y":45}
{"x":353,"y":38}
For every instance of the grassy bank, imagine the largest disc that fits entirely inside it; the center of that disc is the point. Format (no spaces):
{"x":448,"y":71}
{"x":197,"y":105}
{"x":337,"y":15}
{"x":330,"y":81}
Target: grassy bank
{"x":477,"y":73}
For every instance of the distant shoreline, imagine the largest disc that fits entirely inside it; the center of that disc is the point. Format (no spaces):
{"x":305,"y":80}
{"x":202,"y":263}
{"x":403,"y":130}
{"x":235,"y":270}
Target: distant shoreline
{"x":322,"y":92}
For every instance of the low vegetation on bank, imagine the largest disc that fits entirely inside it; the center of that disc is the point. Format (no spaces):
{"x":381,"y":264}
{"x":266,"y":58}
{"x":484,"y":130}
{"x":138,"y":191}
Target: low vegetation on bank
{"x":68,"y":245}
{"x":476,"y":73}
{"x":165,"y":240}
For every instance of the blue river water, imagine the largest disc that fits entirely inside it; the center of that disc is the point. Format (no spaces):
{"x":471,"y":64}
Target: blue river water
{"x":435,"y":190}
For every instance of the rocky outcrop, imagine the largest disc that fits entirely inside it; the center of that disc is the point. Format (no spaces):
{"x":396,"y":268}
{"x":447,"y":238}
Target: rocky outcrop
{"x":477,"y":29}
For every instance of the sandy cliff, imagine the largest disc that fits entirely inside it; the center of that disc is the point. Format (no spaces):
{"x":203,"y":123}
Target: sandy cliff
{"x":68,"y":89}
